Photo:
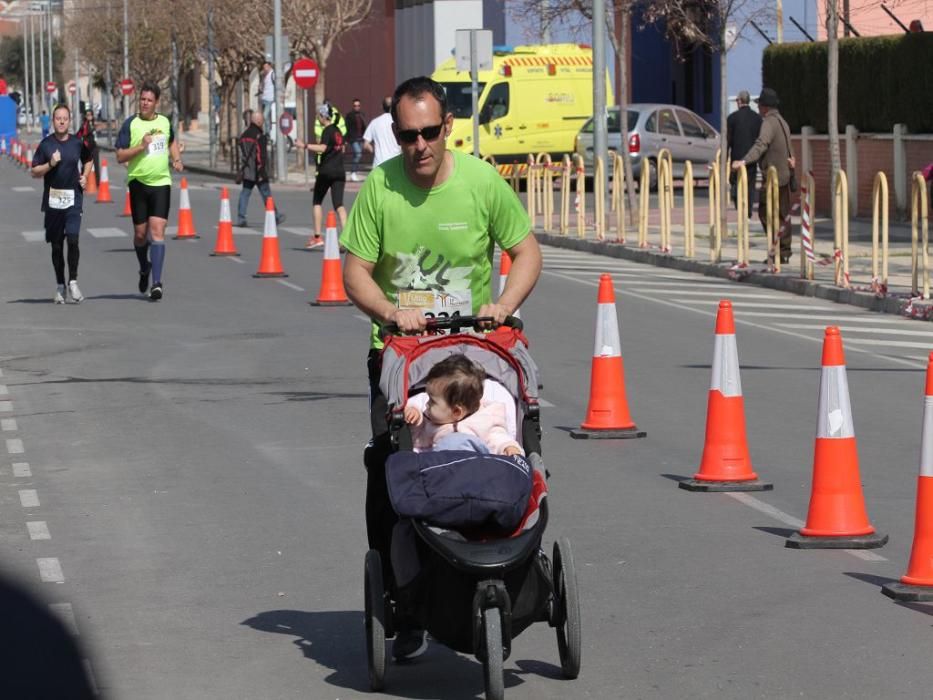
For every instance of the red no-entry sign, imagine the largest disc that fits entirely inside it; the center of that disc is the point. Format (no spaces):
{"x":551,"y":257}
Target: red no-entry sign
{"x":50,"y":87}
{"x":286,"y":123}
{"x":306,"y":73}
{"x":72,"y":88}
{"x":126,"y":86}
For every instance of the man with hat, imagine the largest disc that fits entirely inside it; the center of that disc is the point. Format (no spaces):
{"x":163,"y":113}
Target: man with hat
{"x":742,"y":129}
{"x":772,"y":148}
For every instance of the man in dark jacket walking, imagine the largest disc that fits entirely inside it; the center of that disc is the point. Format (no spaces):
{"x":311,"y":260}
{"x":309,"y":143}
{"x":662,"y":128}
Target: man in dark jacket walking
{"x":742,"y":129}
{"x":254,"y":159}
{"x":772,"y":148}
{"x":356,"y":127}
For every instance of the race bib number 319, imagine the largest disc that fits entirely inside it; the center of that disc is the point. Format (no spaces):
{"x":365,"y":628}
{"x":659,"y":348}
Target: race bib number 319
{"x":158,"y":144}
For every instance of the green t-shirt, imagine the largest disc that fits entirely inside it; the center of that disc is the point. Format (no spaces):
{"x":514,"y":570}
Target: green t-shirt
{"x":441,"y":240}
{"x":151,"y":166}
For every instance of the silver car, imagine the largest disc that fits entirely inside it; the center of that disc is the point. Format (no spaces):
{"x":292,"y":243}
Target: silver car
{"x":652,"y":127}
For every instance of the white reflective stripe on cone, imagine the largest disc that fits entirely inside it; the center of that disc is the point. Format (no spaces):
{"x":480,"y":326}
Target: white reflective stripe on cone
{"x":726,"y":378}
{"x":225,"y":209}
{"x":502,"y":279}
{"x":331,"y":247}
{"x":607,"y":332}
{"x":835,"y":416}
{"x":926,"y":439}
{"x":268,"y":230}
{"x":184,"y":202}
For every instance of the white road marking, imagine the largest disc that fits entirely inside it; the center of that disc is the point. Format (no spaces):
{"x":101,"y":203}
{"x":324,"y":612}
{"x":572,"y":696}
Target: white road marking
{"x":751,"y":305}
{"x":34,"y":236}
{"x":3,"y":390}
{"x":28,"y":498}
{"x":739,"y":295}
{"x":21,"y":470}
{"x":690,"y":285}
{"x":89,"y":671}
{"x":795,"y":523}
{"x":236,"y":260}
{"x":107,"y":233}
{"x":545,"y":403}
{"x":24,"y":188}
{"x":284,"y":283}
{"x":889,"y":343}
{"x":362,"y":318}
{"x":243,"y":231}
{"x":6,"y":406}
{"x":8,"y":425}
{"x":303,"y":232}
{"x":850,"y":316}
{"x":855,"y":329}
{"x":50,"y":570}
{"x":38,"y":530}
{"x":66,"y":614}
{"x":14,"y":446}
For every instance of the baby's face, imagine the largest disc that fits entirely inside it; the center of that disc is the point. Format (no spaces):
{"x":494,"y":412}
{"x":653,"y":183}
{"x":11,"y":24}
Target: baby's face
{"x":438,"y":411}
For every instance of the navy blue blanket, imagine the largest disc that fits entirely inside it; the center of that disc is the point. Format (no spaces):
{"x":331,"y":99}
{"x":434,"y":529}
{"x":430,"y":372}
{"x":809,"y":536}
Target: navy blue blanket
{"x":460,"y":490}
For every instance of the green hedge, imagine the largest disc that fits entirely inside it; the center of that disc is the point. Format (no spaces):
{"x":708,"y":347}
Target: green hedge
{"x":883,"y":81}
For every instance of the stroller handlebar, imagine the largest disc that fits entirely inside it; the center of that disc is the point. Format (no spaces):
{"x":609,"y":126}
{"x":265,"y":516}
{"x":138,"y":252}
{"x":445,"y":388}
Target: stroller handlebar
{"x":456,"y":323}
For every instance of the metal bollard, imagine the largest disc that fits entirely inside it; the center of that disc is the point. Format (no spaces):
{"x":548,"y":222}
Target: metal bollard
{"x":581,"y":194}
{"x":841,"y":229}
{"x":545,"y":181}
{"x":879,"y":217}
{"x":618,"y":195}
{"x":516,"y":177}
{"x":715,"y":226}
{"x":807,"y":205}
{"x":741,"y":228}
{"x":919,"y":219}
{"x":531,"y":188}
{"x":565,"y":167}
{"x":689,"y":232}
{"x":773,"y":218}
{"x":599,"y":199}
{"x":644,"y":203}
{"x":664,"y":204}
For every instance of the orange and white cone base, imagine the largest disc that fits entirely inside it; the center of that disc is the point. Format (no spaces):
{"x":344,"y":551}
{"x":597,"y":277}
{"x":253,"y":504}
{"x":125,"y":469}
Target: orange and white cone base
{"x":225,"y":245}
{"x":505,"y":266}
{"x":127,"y":209}
{"x":185,"y":218}
{"x":726,"y":464}
{"x":91,"y":187}
{"x":270,"y":264}
{"x":332,"y":292}
{"x":917,"y":583}
{"x":103,"y":187}
{"x":837,"y":518}
{"x":607,"y":415}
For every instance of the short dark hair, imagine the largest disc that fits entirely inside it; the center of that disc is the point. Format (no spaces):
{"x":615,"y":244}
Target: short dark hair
{"x":60,"y":105}
{"x":149,"y":86}
{"x":459,"y":380}
{"x":386,"y":104}
{"x":416,"y":87}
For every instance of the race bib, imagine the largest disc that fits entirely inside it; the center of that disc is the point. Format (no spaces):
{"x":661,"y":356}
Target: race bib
{"x":437,"y":304}
{"x":158,"y":145}
{"x":61,"y":199}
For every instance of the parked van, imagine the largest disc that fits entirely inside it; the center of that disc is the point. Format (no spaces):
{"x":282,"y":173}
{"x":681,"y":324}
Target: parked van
{"x":534,"y":100}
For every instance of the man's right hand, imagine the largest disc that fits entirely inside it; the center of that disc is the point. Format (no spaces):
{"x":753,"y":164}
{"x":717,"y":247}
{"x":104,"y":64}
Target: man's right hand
{"x":409,"y":320}
{"x":147,"y":139}
{"x":56,"y":158}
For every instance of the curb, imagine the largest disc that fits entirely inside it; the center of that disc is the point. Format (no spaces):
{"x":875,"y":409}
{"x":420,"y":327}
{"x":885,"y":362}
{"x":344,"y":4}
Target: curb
{"x":910,"y":308}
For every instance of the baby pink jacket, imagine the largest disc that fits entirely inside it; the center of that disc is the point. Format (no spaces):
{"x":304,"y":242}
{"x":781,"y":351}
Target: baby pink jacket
{"x":488,"y":424}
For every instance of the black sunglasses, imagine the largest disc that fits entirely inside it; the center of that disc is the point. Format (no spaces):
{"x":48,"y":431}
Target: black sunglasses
{"x":428,"y":133}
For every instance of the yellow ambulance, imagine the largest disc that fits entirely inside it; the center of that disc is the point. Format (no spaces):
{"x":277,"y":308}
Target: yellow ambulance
{"x":534,"y":100}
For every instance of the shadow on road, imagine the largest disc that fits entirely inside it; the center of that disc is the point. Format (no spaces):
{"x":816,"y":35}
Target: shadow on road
{"x":782,"y":532}
{"x":870,"y":578}
{"x":335,"y":639}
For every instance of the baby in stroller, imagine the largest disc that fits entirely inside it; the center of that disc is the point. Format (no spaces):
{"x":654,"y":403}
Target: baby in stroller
{"x":472,"y":516}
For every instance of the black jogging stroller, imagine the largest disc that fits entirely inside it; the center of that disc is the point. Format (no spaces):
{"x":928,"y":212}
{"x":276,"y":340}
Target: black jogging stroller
{"x":476,"y":594}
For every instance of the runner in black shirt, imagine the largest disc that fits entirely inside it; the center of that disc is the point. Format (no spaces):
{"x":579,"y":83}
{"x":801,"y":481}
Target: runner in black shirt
{"x":64,"y":163}
{"x":330,"y":173}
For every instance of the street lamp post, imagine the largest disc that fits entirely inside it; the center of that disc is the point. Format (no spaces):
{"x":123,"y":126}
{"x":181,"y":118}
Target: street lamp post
{"x":280,"y":164}
{"x":27,"y":77}
{"x":126,"y":55}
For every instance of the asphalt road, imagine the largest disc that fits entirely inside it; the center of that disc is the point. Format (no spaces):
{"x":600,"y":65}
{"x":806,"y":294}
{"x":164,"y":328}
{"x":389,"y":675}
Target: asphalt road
{"x":197,"y":467}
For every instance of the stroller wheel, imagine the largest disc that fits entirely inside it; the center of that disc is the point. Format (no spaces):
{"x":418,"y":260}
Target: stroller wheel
{"x":374,"y":593}
{"x":492,"y":663}
{"x":569,"y":643}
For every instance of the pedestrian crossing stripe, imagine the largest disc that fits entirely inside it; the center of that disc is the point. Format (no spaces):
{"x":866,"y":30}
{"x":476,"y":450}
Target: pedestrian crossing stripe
{"x":243,"y":231}
{"x":304,"y":232}
{"x":107,"y":233}
{"x":34,"y":236}
{"x":24,"y":188}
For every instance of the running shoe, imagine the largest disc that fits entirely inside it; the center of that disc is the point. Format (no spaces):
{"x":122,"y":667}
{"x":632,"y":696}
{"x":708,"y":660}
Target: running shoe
{"x":242,"y":224}
{"x":409,"y":644}
{"x":315,"y":242}
{"x":59,"y":297}
{"x":279,"y":219}
{"x":75,"y":292}
{"x":156,"y":292}
{"x":144,"y":278}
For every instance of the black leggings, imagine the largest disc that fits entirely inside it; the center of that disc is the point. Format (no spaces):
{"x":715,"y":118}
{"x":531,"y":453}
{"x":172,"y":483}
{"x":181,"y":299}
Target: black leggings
{"x":58,"y":258}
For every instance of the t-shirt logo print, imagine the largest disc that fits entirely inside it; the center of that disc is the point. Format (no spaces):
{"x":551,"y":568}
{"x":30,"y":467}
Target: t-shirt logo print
{"x":427,"y":270}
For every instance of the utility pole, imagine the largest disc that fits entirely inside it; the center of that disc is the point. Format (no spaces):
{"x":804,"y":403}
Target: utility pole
{"x":779,"y":15}
{"x":600,"y":137}
{"x":281,"y":172}
{"x":43,"y":95}
{"x":126,"y":55}
{"x":76,"y":102}
{"x":51,"y":34}
{"x":27,"y":90}
{"x":36,"y":96}
{"x":211,"y":131}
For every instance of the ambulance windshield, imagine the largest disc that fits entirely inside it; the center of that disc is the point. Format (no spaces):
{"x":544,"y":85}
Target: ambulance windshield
{"x":460,"y":100}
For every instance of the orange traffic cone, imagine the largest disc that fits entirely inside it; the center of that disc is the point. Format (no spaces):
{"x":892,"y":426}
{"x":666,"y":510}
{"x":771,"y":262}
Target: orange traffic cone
{"x":91,"y":186}
{"x":269,"y":264}
{"x":103,"y":189}
{"x":332,"y":292}
{"x":127,"y":209}
{"x":505,"y":265}
{"x":917,"y":583}
{"x":607,"y":415}
{"x":837,"y":518}
{"x":225,"y":245}
{"x":726,"y":464}
{"x":185,"y":220}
